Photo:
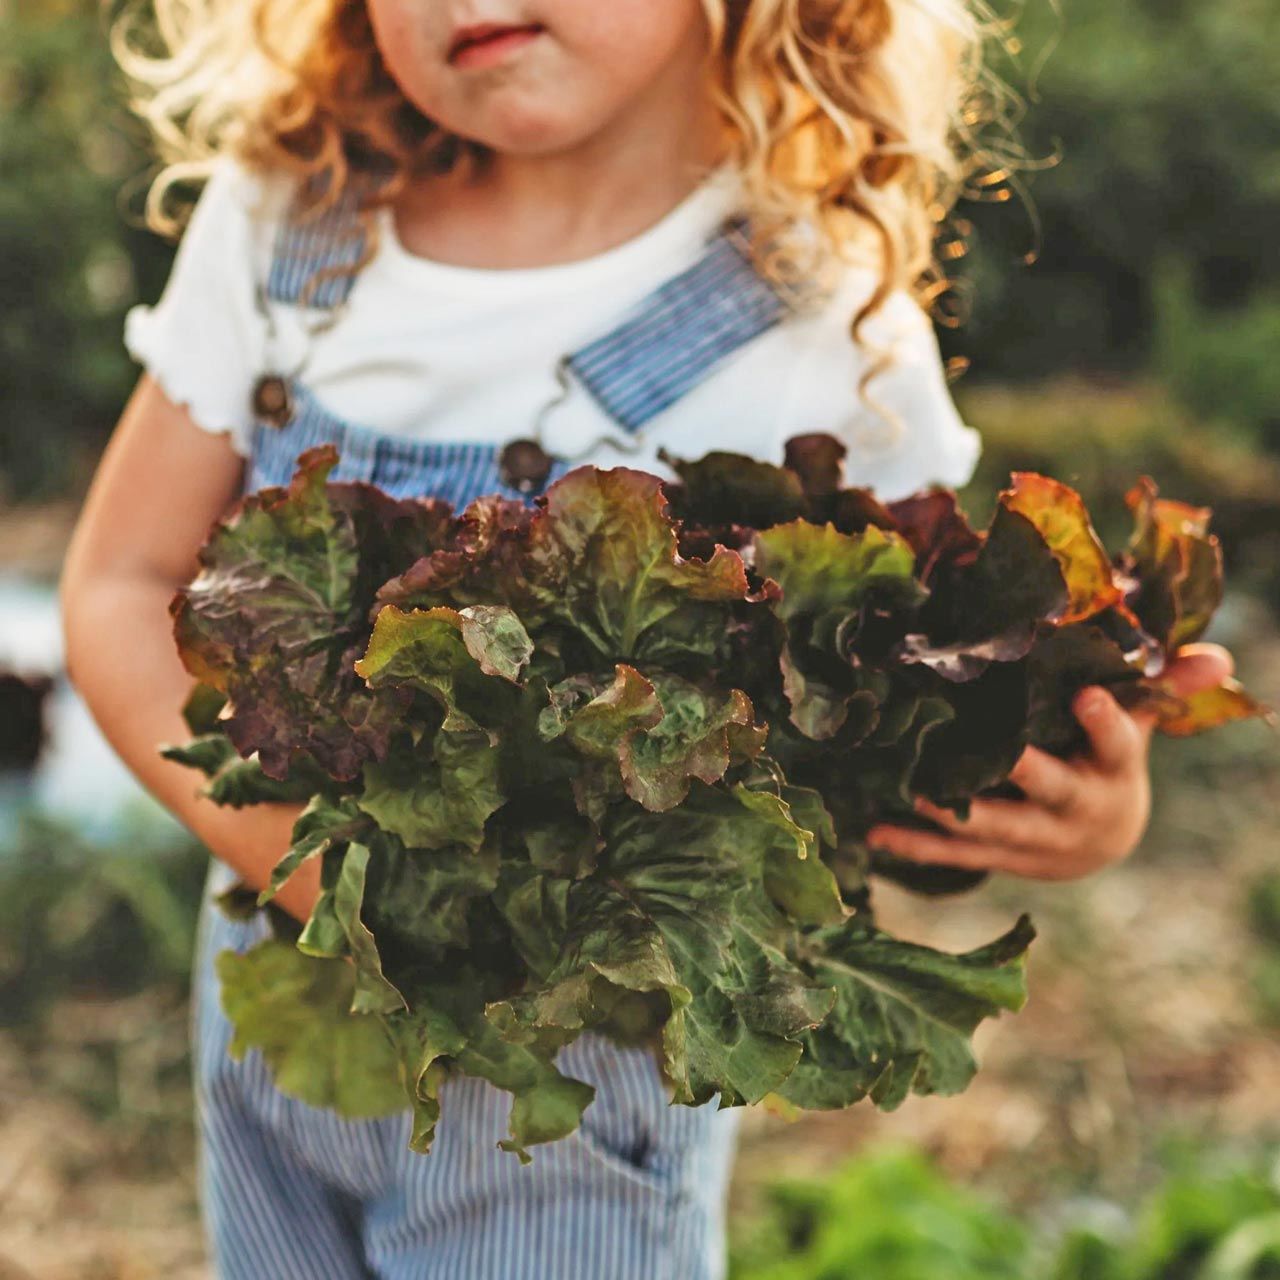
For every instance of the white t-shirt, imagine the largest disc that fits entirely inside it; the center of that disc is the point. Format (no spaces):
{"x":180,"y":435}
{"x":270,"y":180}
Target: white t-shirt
{"x":432,"y":351}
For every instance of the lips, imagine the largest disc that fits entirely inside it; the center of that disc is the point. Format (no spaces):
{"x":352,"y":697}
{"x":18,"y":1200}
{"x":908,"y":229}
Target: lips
{"x":486,"y":41}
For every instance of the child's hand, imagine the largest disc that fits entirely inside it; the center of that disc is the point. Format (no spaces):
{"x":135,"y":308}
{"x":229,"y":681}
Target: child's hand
{"x":253,"y":840}
{"x":1079,"y":815}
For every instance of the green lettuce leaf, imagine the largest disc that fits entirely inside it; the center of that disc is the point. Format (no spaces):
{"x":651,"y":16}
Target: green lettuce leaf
{"x":826,"y":580}
{"x":437,"y":794}
{"x":447,"y":1029}
{"x":322,"y":825}
{"x":904,"y":1015}
{"x":464,"y":659}
{"x":661,"y":735}
{"x":601,"y":563}
{"x":677,"y":922}
{"x":275,"y":619}
{"x":296,"y":1010}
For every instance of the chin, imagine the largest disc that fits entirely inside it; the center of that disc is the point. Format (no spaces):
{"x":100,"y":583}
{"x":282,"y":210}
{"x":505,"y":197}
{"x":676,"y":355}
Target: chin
{"x":527,"y":130}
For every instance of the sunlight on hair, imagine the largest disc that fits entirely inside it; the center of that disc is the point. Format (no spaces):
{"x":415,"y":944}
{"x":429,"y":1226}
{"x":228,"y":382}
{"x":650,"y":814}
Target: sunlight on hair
{"x":865,"y":120}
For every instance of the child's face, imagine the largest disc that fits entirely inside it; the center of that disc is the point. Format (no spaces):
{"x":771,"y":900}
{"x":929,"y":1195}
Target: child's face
{"x":534,"y":77}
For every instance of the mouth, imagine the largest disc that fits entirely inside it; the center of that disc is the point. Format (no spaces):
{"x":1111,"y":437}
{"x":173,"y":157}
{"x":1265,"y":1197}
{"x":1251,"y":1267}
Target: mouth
{"x":488,"y":43}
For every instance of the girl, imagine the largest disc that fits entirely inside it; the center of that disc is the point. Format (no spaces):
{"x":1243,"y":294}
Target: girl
{"x":434,"y":228}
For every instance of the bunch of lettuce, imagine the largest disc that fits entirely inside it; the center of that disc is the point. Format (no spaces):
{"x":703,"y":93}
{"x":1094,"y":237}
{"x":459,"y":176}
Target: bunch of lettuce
{"x":930,"y":678}
{"x":605,"y":764}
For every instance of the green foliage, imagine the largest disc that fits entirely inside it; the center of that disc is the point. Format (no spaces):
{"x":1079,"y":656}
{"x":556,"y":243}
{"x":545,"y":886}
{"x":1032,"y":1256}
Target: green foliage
{"x":545,"y":739}
{"x":1204,"y":1222}
{"x":890,"y":1216}
{"x":79,"y":920}
{"x":1163,"y":115}
{"x":297,"y":1011}
{"x":71,"y":264}
{"x":1219,"y":362}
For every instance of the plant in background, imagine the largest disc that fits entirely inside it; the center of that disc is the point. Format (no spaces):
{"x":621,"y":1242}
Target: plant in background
{"x":889,"y":1215}
{"x":607,"y":764}
{"x":82,"y":921}
{"x":1262,"y":911}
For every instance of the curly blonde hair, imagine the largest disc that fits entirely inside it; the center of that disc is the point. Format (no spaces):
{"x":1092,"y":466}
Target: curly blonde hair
{"x":865,"y":118}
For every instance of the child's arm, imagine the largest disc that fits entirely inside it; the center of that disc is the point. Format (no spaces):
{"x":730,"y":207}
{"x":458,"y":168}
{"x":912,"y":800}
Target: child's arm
{"x":1079,"y":815}
{"x":159,"y":487}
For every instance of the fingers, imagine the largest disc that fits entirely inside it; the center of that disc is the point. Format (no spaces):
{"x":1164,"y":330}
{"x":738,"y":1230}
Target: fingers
{"x":952,"y":851}
{"x":1118,"y":741}
{"x":1048,"y":781}
{"x":1014,"y":823}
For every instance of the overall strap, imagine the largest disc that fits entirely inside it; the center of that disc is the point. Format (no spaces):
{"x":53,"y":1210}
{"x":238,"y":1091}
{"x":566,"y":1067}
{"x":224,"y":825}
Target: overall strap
{"x":667,"y":344}
{"x":673,"y":338}
{"x":331,"y":239}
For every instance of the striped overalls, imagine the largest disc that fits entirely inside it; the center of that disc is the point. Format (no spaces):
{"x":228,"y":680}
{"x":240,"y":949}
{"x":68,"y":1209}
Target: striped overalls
{"x":295,"y":1193}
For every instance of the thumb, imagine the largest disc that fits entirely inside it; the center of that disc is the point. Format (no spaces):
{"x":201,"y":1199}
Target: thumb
{"x":1117,"y":739}
{"x":1195,"y":667}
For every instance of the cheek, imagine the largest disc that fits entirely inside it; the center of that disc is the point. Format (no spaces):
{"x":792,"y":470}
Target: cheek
{"x":628,"y":42}
{"x":413,"y":37}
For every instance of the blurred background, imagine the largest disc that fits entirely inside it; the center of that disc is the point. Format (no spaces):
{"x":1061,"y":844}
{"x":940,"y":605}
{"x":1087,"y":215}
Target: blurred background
{"x":1124,"y":1127}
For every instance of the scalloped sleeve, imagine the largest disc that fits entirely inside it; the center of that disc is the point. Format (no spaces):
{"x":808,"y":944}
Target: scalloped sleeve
{"x":204,"y":341}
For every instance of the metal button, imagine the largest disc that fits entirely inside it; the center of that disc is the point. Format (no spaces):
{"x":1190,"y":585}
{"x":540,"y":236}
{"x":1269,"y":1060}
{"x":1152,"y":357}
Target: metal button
{"x":272,"y":401}
{"x":524,"y":465}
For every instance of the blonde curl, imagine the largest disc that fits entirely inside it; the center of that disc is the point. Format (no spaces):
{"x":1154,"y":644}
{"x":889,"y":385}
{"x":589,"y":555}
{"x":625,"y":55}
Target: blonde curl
{"x":864,"y":119}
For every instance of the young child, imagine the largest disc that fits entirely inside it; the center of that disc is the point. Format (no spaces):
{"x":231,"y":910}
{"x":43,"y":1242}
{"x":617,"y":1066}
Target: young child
{"x":433,"y":228}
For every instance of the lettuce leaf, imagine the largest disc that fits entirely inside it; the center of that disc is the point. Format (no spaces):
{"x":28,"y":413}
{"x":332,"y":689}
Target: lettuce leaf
{"x":607,"y":765}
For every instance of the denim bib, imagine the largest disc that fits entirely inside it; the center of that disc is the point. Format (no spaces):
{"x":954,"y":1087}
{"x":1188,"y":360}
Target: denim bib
{"x":659,"y":350}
